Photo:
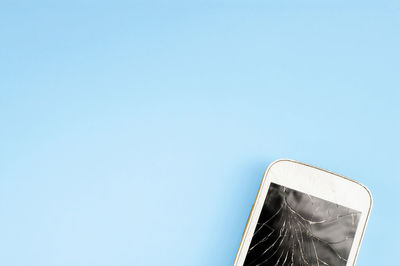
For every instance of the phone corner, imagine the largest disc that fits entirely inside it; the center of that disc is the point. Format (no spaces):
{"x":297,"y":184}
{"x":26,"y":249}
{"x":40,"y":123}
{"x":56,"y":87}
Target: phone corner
{"x":371,"y":199}
{"x":279,"y":161}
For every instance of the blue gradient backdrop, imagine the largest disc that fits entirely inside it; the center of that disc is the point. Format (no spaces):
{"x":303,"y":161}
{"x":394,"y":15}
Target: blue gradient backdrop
{"x":137,"y":133}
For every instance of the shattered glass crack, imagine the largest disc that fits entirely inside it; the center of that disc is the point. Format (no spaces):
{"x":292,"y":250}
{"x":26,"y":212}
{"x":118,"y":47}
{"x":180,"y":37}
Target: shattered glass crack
{"x":295,"y":228}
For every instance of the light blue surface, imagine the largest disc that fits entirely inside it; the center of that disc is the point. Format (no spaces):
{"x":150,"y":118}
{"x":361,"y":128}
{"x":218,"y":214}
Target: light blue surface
{"x":138,"y":133}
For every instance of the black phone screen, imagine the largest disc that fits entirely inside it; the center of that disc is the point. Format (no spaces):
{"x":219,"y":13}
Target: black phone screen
{"x":295,"y":228}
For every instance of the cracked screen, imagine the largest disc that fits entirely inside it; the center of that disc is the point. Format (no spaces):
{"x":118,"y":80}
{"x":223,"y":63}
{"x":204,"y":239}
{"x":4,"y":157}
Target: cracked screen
{"x":295,"y":228}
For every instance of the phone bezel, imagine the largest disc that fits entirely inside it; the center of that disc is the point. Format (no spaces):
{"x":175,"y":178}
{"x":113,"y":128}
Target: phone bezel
{"x":316,"y":182}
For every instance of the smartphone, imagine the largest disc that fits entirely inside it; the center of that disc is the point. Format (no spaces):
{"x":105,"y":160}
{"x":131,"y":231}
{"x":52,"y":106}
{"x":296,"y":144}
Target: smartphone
{"x":304,"y":215}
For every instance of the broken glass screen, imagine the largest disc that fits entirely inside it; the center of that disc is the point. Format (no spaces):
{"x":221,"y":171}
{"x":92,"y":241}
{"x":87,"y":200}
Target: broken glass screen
{"x":295,"y":228}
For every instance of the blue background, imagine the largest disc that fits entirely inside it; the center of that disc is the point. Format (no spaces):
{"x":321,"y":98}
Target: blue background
{"x":137,"y":133}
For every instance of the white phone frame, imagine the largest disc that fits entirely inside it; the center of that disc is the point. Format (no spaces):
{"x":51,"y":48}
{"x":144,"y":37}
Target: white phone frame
{"x":316,"y":182}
